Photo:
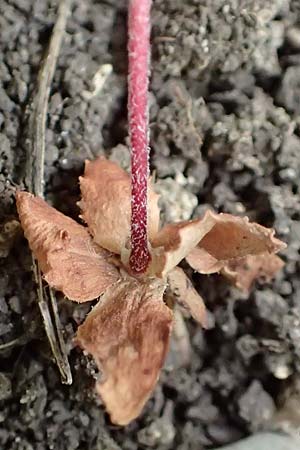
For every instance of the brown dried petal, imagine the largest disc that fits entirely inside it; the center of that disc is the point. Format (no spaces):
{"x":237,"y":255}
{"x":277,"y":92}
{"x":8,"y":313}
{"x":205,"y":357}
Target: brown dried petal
{"x":243,"y":272}
{"x":175,"y":241}
{"x":128,"y":334}
{"x":106,"y":204}
{"x":186,"y":295}
{"x":229,"y":238}
{"x":67,"y":256}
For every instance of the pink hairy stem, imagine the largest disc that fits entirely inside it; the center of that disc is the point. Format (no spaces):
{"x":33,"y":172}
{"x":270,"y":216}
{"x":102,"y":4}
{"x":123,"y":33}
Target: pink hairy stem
{"x":138,"y":82}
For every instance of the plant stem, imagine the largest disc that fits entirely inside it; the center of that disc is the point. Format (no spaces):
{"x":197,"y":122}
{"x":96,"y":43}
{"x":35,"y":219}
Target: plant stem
{"x":138,"y":82}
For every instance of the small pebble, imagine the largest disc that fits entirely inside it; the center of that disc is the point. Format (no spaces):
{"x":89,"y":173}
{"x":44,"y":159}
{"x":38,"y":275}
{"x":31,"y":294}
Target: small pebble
{"x":5,"y":387}
{"x":256,"y":406}
{"x":265,"y":441}
{"x":15,"y":304}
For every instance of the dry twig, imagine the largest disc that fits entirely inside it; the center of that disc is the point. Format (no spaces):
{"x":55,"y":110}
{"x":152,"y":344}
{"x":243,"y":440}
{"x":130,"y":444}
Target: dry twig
{"x":37,"y":116}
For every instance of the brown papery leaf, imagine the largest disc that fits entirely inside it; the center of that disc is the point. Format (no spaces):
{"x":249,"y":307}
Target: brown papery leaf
{"x":106,"y":204}
{"x":175,"y":241}
{"x":231,"y":238}
{"x":243,"y":272}
{"x":67,"y":256}
{"x":186,"y":295}
{"x":127,"y":333}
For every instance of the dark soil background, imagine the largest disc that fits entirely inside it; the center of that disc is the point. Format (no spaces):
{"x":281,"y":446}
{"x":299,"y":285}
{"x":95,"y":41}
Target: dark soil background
{"x":225,"y":132}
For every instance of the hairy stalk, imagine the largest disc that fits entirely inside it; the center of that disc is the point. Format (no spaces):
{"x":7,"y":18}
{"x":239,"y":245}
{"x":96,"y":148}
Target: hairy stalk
{"x":138,"y":82}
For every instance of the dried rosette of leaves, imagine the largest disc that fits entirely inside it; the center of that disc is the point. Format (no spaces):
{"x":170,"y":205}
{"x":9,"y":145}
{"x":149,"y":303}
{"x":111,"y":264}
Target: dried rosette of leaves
{"x":128,"y":330}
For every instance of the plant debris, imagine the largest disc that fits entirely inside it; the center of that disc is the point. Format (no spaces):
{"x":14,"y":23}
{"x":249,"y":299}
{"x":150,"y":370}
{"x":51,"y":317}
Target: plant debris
{"x":128,"y":331}
{"x":36,"y":112}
